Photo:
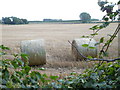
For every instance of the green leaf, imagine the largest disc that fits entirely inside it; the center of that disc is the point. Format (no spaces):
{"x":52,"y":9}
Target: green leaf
{"x":85,"y":45}
{"x":41,"y":68}
{"x":94,"y":27}
{"x":102,"y":40}
{"x":106,"y":18}
{"x":94,"y":34}
{"x":4,"y":47}
{"x":5,"y":74}
{"x":38,"y":75}
{"x":92,"y":47}
{"x":27,"y":69}
{"x":84,"y":36}
{"x":15,"y":55}
{"x":24,"y":56}
{"x":44,"y":75}
{"x":73,"y":73}
{"x":90,"y":57}
{"x":15,"y":64}
{"x":21,"y":63}
{"x":53,"y":77}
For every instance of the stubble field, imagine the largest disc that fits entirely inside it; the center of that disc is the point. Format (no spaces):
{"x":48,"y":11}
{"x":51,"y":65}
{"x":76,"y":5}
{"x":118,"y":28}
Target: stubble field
{"x":56,"y":36}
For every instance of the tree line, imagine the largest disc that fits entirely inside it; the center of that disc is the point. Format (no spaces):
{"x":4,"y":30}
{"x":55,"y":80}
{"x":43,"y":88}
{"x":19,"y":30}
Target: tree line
{"x":14,"y":20}
{"x":84,"y":18}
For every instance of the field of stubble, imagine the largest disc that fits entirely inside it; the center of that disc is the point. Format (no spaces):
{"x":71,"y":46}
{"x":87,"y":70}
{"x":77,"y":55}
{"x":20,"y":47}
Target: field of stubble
{"x":56,"y":36}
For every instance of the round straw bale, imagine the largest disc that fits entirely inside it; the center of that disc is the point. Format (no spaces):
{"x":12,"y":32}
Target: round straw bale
{"x":35,"y":51}
{"x":78,"y":48}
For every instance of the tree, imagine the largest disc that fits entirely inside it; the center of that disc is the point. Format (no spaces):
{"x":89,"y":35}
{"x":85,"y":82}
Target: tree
{"x":14,"y":20}
{"x":25,"y":21}
{"x":85,"y":17}
{"x":6,"y":20}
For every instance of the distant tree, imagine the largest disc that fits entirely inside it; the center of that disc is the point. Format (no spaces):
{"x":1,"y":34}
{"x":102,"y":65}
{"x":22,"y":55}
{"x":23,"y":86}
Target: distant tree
{"x":85,"y":17}
{"x":6,"y":20}
{"x":14,"y":20}
{"x":0,"y":21}
{"x":25,"y":21}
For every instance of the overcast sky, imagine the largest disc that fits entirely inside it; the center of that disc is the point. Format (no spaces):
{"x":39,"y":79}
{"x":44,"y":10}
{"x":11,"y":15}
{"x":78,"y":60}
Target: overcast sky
{"x":50,"y":9}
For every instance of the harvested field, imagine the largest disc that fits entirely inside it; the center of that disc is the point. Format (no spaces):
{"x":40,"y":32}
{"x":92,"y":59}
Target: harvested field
{"x":56,"y":38}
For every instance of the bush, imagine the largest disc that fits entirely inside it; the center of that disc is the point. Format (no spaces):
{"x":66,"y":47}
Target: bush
{"x":100,"y":77}
{"x":17,"y":74}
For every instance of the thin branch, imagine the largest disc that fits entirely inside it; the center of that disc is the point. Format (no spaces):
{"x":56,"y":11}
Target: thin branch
{"x":113,"y":36}
{"x":107,"y":60}
{"x":77,"y":50}
{"x":111,"y":39}
{"x":93,"y":59}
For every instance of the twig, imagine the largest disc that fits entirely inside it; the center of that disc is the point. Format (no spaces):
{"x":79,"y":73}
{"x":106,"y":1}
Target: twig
{"x":93,"y":59}
{"x":111,"y":39}
{"x":77,"y":50}
{"x":107,"y":60}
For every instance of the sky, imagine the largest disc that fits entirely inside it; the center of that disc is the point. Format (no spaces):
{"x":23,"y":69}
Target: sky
{"x":50,"y":9}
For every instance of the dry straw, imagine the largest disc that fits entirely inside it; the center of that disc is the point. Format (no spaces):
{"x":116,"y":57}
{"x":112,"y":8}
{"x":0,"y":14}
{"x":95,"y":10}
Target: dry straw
{"x":35,"y":50}
{"x":84,"y":50}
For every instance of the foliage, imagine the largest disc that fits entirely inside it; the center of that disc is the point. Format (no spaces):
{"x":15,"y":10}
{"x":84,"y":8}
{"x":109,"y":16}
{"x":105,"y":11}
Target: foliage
{"x":17,"y":74}
{"x":14,"y":20}
{"x":100,"y":77}
{"x":85,"y":17}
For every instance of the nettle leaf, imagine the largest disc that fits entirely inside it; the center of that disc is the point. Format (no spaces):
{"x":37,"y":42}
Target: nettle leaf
{"x":85,"y":45}
{"x":27,"y":69}
{"x":102,"y":40}
{"x":21,"y":63}
{"x":25,"y":56}
{"x":15,"y":64}
{"x":5,"y":74}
